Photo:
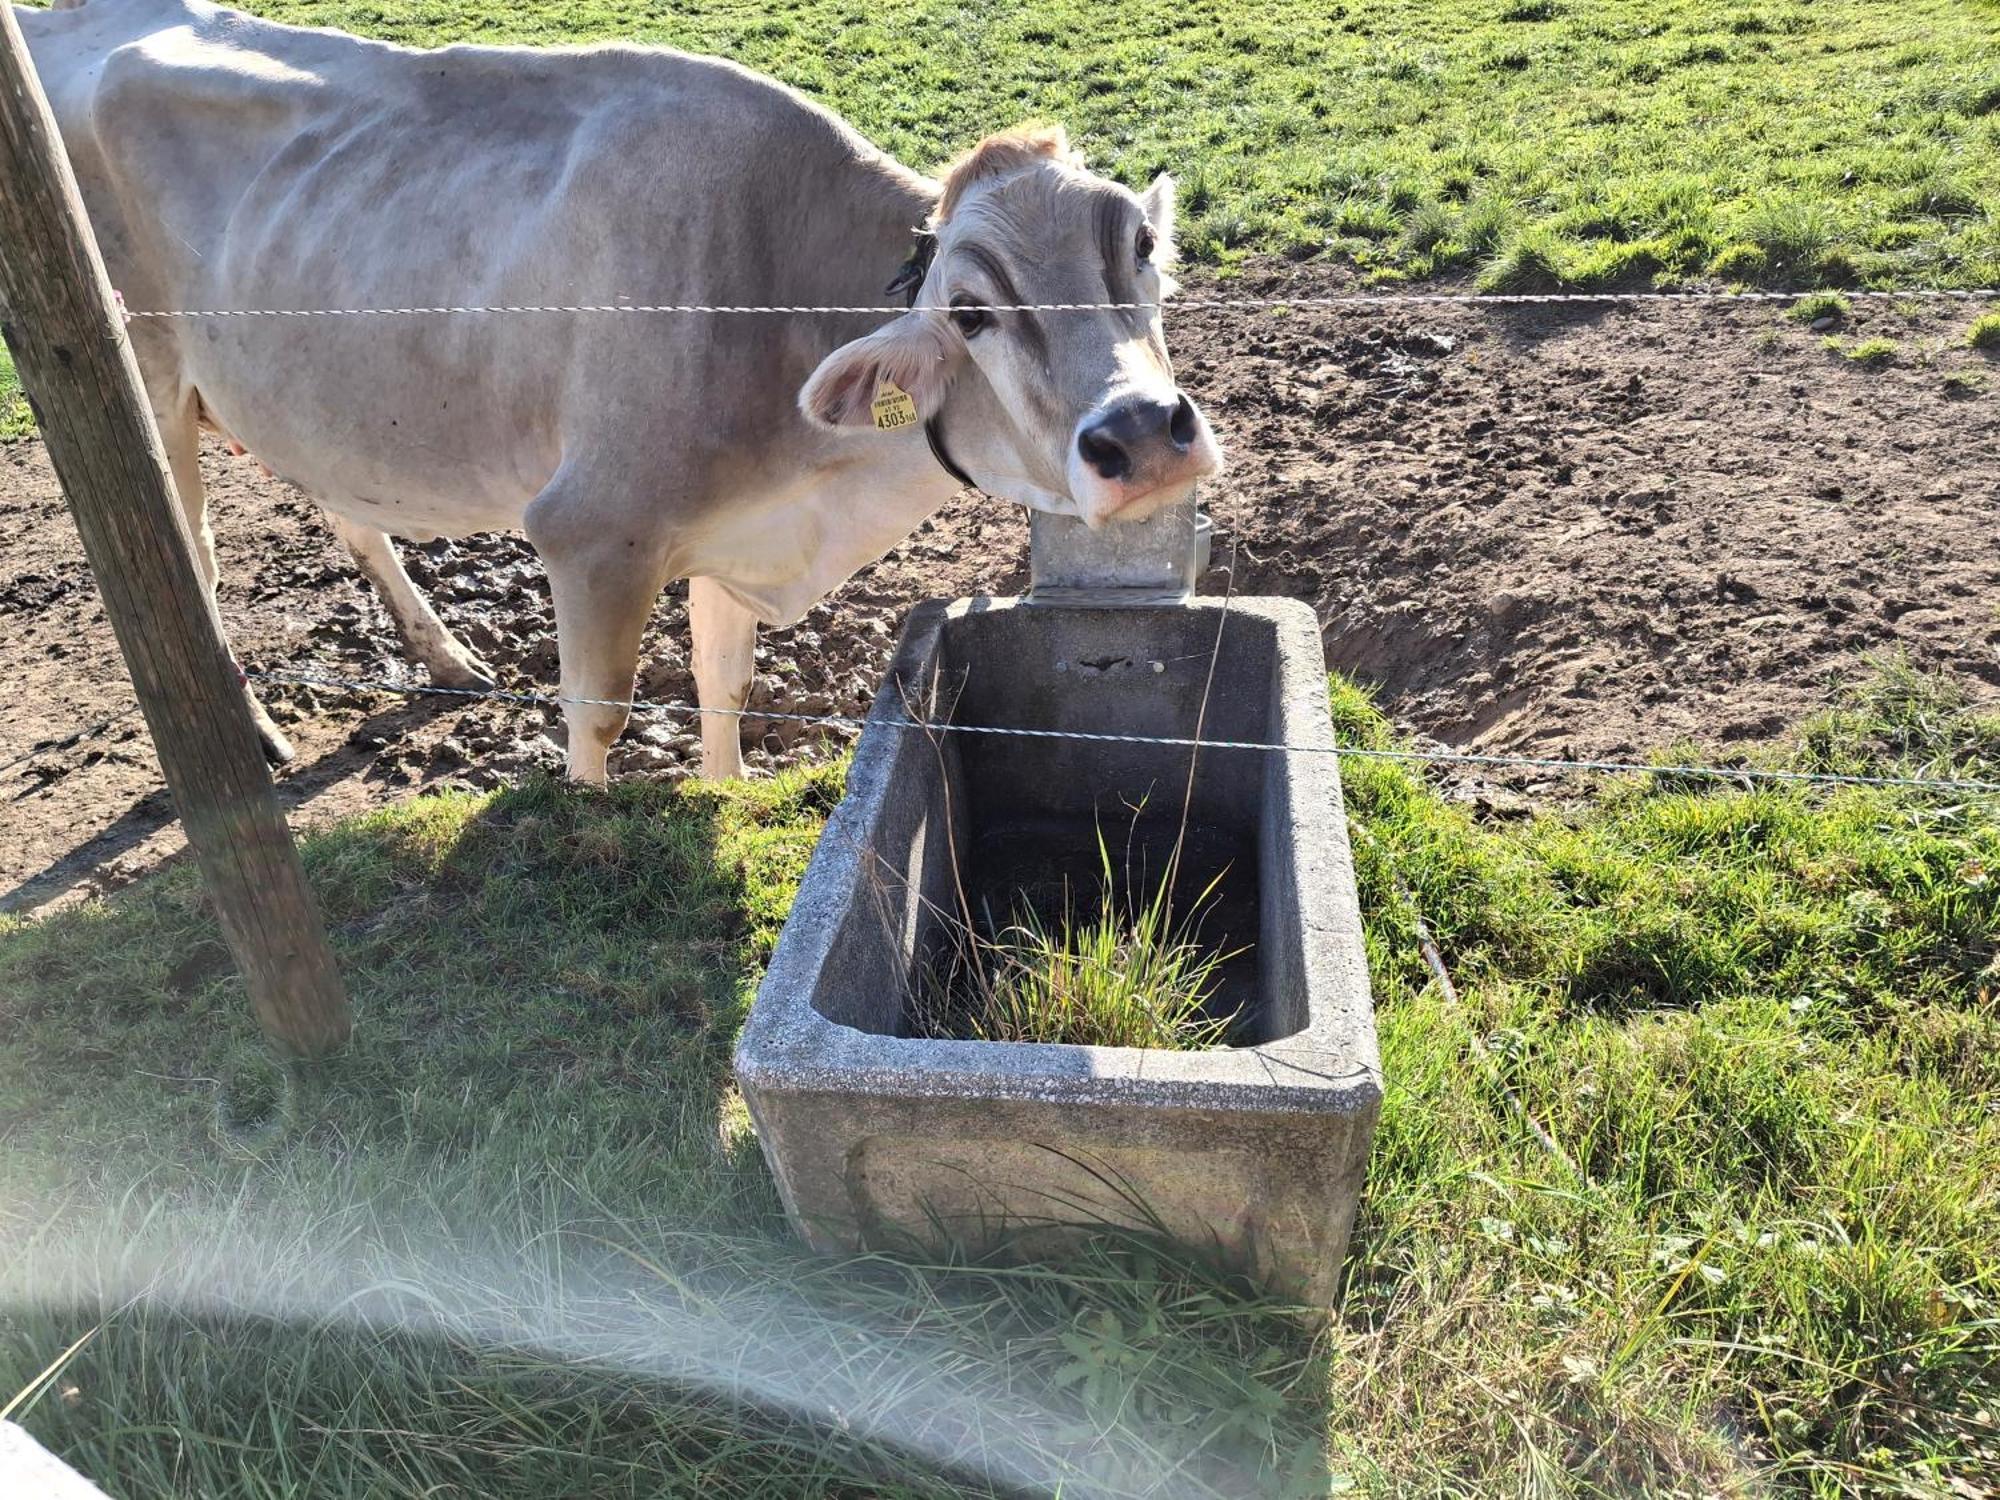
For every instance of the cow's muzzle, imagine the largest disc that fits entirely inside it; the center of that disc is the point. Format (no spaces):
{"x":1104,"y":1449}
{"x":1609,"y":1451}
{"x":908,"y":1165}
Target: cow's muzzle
{"x":1139,"y":454}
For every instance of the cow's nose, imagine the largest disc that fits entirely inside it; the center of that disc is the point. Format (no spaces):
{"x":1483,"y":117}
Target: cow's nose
{"x":1108,"y":443}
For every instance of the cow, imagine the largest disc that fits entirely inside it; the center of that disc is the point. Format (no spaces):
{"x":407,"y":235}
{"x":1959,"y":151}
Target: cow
{"x":227,"y":162}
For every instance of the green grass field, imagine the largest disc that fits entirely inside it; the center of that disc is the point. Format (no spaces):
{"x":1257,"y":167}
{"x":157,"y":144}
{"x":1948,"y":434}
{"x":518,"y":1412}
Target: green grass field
{"x":1693,"y":1191}
{"x":1548,"y":142}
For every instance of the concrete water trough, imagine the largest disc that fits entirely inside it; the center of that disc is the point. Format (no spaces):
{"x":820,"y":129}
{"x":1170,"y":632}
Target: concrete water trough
{"x":878,"y":1136}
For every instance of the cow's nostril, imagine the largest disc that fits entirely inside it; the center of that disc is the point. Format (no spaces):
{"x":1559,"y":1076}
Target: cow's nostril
{"x":1103,"y":452}
{"x":1180,"y":426}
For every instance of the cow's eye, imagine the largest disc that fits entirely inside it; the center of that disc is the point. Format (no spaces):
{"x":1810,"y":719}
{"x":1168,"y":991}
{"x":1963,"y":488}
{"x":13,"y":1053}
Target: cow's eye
{"x":1148,"y":242}
{"x":970,"y":318}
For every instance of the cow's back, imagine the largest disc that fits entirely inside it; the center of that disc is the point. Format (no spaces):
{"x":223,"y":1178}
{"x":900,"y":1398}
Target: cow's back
{"x":170,"y":110}
{"x":229,"y":131}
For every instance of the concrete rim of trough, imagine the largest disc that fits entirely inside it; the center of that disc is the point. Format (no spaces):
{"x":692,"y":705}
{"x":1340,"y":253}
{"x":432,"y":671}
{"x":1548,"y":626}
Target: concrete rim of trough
{"x":1330,"y":1065}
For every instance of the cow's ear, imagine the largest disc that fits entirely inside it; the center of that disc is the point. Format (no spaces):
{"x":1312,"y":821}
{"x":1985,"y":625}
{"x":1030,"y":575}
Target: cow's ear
{"x":917,"y":354}
{"x":1158,"y":201}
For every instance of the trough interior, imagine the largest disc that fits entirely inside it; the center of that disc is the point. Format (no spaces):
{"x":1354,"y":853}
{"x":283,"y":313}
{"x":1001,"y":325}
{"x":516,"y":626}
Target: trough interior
{"x":1014,"y":821}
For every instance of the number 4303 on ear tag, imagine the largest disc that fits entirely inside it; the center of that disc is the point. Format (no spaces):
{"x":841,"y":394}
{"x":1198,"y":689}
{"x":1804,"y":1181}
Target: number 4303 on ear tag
{"x":893,"y":407}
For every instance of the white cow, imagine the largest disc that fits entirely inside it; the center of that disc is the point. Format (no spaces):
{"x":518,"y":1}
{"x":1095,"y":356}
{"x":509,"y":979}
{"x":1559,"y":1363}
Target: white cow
{"x":231,"y":163}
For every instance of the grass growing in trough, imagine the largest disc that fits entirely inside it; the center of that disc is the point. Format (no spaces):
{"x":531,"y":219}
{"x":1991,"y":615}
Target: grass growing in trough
{"x":1554,"y":144}
{"x":1124,"y":967}
{"x":1692,"y":1191}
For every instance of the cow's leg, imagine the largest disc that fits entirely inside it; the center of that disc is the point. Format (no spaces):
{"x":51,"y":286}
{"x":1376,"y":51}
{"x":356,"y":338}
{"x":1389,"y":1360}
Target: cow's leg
{"x":603,"y":583}
{"x":184,"y":462}
{"x":424,"y":635}
{"x":725,"y":648}
{"x":180,"y":436}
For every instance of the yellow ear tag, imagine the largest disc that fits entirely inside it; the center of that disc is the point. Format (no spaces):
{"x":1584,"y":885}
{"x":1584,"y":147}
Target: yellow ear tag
{"x":893,"y":407}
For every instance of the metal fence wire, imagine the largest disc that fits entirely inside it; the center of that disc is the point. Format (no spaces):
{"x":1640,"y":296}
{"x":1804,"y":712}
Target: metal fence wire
{"x":1738,"y":774}
{"x":1174,"y":304}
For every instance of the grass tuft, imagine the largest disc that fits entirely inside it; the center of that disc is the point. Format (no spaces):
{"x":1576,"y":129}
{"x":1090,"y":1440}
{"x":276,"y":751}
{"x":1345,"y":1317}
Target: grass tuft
{"x":16,"y":421}
{"x":1530,"y":262}
{"x":1873,"y":354}
{"x":1126,"y":970}
{"x":1819,"y":305}
{"x":1939,"y":198}
{"x":1922,"y":724}
{"x":1796,"y":235}
{"x":1740,"y":263}
{"x":1984,"y":332}
{"x":1430,"y":229}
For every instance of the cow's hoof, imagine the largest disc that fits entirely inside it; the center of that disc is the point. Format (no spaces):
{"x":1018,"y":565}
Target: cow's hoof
{"x":471,"y":674}
{"x":277,"y":749}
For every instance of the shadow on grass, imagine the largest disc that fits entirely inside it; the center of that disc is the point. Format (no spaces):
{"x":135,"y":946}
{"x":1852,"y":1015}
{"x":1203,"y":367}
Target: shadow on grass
{"x":517,"y":1238}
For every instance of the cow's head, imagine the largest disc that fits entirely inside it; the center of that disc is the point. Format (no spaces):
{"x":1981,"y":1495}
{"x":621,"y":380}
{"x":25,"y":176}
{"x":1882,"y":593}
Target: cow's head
{"x":1074,"y":412}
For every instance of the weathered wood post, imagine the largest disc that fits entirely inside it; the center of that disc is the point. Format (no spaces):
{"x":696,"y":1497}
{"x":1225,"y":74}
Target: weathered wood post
{"x":57,"y":314}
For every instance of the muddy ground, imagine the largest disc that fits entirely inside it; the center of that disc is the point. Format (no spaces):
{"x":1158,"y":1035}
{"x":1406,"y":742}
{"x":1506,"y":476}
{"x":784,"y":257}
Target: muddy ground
{"x":1572,"y":532}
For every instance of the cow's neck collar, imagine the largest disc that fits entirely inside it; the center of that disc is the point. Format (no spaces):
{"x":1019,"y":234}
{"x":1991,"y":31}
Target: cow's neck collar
{"x":909,"y":277}
{"x":934,"y":434}
{"x":909,"y":280}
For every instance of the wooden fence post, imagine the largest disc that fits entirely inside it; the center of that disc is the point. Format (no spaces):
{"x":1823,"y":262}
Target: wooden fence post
{"x":58,"y":316}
